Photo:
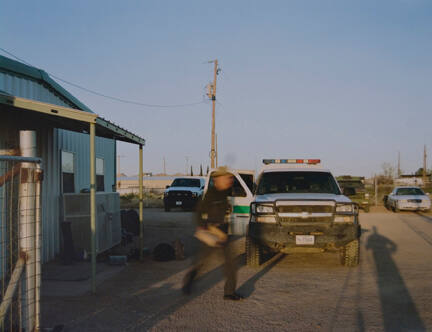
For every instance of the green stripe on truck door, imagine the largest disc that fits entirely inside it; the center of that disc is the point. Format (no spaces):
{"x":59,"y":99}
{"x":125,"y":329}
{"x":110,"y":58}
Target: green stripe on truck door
{"x":241,"y":209}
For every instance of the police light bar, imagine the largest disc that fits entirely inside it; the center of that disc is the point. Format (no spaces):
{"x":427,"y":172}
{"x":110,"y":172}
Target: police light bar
{"x":291,"y":161}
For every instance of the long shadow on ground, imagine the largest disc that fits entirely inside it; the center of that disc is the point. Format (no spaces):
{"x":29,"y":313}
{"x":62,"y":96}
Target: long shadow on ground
{"x":248,"y":286}
{"x":398,"y":308}
{"x":202,"y":285}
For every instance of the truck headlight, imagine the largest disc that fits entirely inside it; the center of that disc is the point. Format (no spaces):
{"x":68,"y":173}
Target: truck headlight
{"x":344,"y":219}
{"x":346,"y":212}
{"x":344,"y":208}
{"x":194,"y":195}
{"x":261,"y":209}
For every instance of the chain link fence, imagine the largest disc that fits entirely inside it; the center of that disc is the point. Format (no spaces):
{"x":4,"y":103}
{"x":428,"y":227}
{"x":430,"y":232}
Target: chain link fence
{"x":20,"y":243}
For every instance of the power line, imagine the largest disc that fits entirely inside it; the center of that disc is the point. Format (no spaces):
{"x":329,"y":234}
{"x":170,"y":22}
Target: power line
{"x":121,"y":100}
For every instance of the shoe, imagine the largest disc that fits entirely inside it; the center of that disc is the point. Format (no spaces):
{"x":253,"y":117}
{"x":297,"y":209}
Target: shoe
{"x":234,"y":297}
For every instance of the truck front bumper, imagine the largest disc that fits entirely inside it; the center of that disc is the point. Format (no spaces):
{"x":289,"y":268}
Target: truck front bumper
{"x":326,"y":235}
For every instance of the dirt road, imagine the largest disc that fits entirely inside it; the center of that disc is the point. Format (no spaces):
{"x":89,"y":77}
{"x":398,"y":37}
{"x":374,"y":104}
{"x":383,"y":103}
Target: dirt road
{"x":390,"y":290}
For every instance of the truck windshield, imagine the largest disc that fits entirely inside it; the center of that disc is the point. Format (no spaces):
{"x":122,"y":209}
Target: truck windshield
{"x":297,"y":182}
{"x":186,"y":183}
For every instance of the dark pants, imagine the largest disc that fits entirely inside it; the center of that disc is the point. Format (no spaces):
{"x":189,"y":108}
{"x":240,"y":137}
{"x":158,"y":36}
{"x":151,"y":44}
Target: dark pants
{"x":230,"y":266}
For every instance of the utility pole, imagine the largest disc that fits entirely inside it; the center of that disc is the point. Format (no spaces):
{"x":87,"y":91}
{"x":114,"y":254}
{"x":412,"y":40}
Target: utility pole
{"x":187,"y":165}
{"x":376,"y":190}
{"x":164,"y":166}
{"x":118,"y":163}
{"x":398,"y":168}
{"x":424,"y":166}
{"x":212,"y":95}
{"x":217,"y":165}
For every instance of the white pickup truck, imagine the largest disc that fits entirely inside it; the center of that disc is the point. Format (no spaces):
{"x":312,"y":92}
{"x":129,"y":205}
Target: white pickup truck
{"x":299,"y":207}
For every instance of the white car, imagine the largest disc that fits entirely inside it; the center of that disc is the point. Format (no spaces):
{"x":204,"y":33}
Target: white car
{"x":408,"y":198}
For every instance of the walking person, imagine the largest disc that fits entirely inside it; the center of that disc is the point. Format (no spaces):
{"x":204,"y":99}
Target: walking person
{"x":211,"y":221}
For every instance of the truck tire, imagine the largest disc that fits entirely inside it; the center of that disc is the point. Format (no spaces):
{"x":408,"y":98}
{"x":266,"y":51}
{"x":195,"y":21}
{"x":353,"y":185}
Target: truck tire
{"x":253,"y":253}
{"x":350,"y":254}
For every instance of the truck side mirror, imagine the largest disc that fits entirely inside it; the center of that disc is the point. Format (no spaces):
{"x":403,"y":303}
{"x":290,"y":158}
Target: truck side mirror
{"x":166,"y":187}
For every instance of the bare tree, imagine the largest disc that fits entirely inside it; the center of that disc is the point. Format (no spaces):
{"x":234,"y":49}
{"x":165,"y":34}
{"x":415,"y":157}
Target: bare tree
{"x":388,"y":170}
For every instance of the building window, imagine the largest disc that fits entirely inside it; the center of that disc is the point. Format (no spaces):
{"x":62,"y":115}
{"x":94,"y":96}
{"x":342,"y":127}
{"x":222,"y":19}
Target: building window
{"x":68,"y":172}
{"x":100,"y":171}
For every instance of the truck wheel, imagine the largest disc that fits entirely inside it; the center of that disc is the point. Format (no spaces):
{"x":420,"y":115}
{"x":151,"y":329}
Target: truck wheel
{"x":253,"y":253}
{"x":350,"y":254}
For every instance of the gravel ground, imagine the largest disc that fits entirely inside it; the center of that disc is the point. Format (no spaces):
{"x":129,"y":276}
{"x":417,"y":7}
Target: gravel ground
{"x":390,"y":290}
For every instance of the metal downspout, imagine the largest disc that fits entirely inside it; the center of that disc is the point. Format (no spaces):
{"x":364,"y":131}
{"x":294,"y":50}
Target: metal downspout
{"x":93,"y":205}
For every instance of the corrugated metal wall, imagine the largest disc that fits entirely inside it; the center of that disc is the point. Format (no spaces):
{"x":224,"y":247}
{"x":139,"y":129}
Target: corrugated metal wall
{"x":51,"y":142}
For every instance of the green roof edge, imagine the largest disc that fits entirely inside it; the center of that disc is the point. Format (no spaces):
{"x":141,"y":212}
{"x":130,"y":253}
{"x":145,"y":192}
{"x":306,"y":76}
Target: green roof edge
{"x":40,"y":75}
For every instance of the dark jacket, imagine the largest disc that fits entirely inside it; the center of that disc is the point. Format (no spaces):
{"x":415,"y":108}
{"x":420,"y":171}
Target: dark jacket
{"x":213,"y":207}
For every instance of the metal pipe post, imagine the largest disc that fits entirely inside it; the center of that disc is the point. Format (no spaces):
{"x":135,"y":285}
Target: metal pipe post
{"x":93,"y":205}
{"x":27,"y":221}
{"x":38,"y":248}
{"x":140,"y":181}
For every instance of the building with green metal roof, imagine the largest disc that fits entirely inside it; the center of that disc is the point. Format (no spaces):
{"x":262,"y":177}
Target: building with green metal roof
{"x":31,"y":100}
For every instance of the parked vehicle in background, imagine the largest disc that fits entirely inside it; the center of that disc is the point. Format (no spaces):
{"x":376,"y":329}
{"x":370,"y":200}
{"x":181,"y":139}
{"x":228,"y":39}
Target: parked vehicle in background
{"x":354,"y":188}
{"x":239,"y":199}
{"x":299,"y":207}
{"x":184,"y":193}
{"x":408,"y":198}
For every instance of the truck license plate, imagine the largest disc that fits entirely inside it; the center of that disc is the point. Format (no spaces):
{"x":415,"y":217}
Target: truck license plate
{"x":179,"y":203}
{"x":305,"y":239}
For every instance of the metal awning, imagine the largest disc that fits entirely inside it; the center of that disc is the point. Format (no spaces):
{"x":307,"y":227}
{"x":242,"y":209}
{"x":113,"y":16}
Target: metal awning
{"x":34,"y":114}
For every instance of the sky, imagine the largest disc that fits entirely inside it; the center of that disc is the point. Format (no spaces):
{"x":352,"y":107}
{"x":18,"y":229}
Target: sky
{"x":348,"y":82}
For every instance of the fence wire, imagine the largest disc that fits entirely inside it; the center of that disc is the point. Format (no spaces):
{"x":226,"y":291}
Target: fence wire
{"x":20,"y":244}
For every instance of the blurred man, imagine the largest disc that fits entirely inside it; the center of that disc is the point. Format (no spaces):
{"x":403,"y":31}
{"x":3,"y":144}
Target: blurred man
{"x":211,"y":213}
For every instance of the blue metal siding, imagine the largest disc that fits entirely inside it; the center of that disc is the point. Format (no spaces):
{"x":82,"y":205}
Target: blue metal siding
{"x":50,"y":143}
{"x":79,"y":145}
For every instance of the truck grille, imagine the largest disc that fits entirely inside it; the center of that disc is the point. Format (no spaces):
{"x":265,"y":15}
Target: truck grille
{"x":179,"y":194}
{"x":305,"y":208}
{"x":305,"y":211}
{"x":302,"y":220}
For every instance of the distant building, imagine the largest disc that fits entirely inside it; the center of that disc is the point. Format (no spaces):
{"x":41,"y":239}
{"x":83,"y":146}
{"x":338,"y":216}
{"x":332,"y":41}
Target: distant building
{"x":410,"y":180}
{"x":155,"y":184}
